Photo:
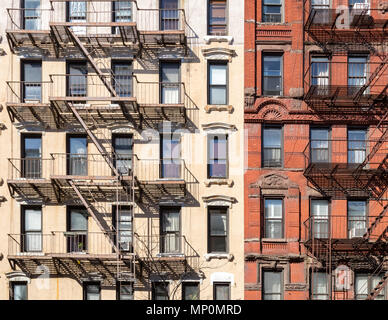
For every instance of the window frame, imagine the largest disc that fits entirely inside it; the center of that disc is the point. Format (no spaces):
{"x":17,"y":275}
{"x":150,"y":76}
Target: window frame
{"x":115,"y":222}
{"x":23,"y":226}
{"x":274,"y":197}
{"x":312,"y":294}
{"x":366,"y":274}
{"x":163,"y":233}
{"x":190,"y":283}
{"x":23,"y":63}
{"x":263,"y":15}
{"x":209,"y":25}
{"x":311,"y":199}
{"x":12,"y":289}
{"x":153,"y":289}
{"x":210,"y":137}
{"x":85,"y":291}
{"x":366,"y":213}
{"x":272,"y":126}
{"x":223,"y":284}
{"x":265,"y":270}
{"x":209,"y":85}
{"x":272,"y":54}
{"x":329,"y":148}
{"x":347,"y":143}
{"x":209,"y":236}
{"x":128,"y":62}
{"x":129,"y":136}
{"x":23,"y":138}
{"x":118,"y":289}
{"x":162,"y":83}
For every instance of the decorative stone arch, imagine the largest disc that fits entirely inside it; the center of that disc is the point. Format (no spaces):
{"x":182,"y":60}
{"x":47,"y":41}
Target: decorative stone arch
{"x":219,"y":200}
{"x":272,"y":110}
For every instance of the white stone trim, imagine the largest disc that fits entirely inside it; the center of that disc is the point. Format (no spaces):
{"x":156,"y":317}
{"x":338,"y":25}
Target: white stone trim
{"x":221,"y":277}
{"x":209,"y":39}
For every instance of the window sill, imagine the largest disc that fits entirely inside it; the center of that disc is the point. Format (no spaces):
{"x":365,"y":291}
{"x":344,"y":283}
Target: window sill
{"x":214,"y":107}
{"x":209,"y":39}
{"x":210,"y":256}
{"x":280,"y":240}
{"x":228,"y":182}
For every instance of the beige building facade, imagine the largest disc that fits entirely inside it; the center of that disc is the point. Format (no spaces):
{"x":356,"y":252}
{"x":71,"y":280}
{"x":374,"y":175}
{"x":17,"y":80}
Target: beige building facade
{"x":122,"y":150}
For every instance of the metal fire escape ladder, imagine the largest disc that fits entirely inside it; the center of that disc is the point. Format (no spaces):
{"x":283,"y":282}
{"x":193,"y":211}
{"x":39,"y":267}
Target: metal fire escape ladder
{"x":375,"y":222}
{"x":88,"y":207}
{"x":380,"y":286}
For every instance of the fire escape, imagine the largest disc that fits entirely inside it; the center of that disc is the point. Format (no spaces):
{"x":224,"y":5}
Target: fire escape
{"x":93,"y":102}
{"x":343,"y":36}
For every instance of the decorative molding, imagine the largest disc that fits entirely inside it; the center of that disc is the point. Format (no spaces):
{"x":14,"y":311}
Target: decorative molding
{"x":209,"y":39}
{"x":219,"y":200}
{"x":210,"y":108}
{"x":295,"y":286}
{"x":274,"y":181}
{"x":17,"y":276}
{"x":219,"y":54}
{"x":219,"y":125}
{"x":228,"y":182}
{"x":210,"y":256}
{"x":221,"y":277}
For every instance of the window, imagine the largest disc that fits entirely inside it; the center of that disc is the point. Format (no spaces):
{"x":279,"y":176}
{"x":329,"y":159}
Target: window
{"x":76,"y":13}
{"x":31,"y":81}
{"x":320,"y":218}
{"x":319,"y":147}
{"x":272,"y":74}
{"x":123,"y":148}
{"x":359,"y":4}
{"x":217,"y":156}
{"x":320,"y":77}
{"x":31,"y":15}
{"x":272,"y":10}
{"x":218,"y":83}
{"x":122,"y":78}
{"x":356,"y":145}
{"x":77,"y":226}
{"x":170,"y":239}
{"x":218,"y":230}
{"x":124,"y":291}
{"x":122,"y":12}
{"x":272,"y":285}
{"x":357,"y":218}
{"x":170,"y":82}
{"x":92,"y":291}
{"x":77,"y":79}
{"x":320,"y":9}
{"x":122,"y":217}
{"x":273,"y":218}
{"x":319,"y":286}
{"x":357,"y":73}
{"x":272,"y":147}
{"x":221,"y":291}
{"x":77,"y":149}
{"x":217,"y":18}
{"x":169,"y":15}
{"x":32,"y":156}
{"x":170,"y":156}
{"x":160,"y":291}
{"x":31,"y":229}
{"x":190,"y":291}
{"x":364,"y":284}
{"x":18,"y":290}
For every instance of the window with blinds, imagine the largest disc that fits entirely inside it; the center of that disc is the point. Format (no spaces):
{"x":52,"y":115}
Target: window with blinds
{"x":217,"y":20}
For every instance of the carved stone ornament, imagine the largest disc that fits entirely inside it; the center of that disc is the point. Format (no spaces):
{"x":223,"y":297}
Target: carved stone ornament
{"x":219,"y":200}
{"x":210,"y":108}
{"x":273,"y":181}
{"x":219,"y":182}
{"x":219,"y":54}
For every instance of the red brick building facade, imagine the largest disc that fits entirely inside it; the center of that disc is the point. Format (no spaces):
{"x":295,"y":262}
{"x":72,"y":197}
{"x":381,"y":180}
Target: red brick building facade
{"x":316,"y":149}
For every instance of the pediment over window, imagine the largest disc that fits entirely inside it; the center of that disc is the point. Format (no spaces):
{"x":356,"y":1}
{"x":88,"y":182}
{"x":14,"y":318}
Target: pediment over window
{"x":219,"y":54}
{"x":274,"y":181}
{"x":219,"y":126}
{"x":219,"y":200}
{"x":17,"y":276}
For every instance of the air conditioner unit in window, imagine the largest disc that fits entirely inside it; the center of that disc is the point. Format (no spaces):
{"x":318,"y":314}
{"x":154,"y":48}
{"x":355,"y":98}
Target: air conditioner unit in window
{"x":356,"y":232}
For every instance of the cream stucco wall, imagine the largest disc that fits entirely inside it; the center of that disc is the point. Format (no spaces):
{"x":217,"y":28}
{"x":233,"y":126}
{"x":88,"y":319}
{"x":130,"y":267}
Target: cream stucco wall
{"x":193,"y":218}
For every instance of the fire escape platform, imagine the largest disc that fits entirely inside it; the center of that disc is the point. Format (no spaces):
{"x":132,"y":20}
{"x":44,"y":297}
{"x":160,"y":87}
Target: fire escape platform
{"x":34,"y":190}
{"x":29,"y":39}
{"x":163,"y":37}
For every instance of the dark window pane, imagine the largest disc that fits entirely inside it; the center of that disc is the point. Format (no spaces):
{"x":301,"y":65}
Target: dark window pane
{"x":126,"y":291}
{"x":272,"y":75}
{"x":160,"y":291}
{"x":19,"y":291}
{"x":190,"y":291}
{"x":32,"y":78}
{"x":217,"y":230}
{"x":221,"y":291}
{"x":92,"y":291}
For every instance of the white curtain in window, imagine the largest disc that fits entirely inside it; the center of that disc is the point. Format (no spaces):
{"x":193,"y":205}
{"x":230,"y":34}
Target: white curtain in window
{"x":78,"y":14}
{"x":320,"y":212}
{"x":33,"y":228}
{"x":320,"y":285}
{"x":361,"y":285}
